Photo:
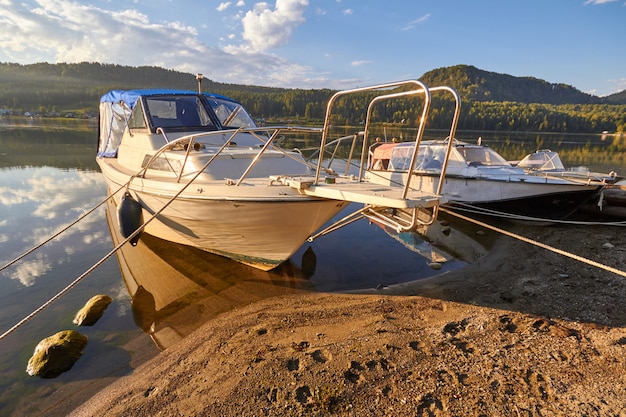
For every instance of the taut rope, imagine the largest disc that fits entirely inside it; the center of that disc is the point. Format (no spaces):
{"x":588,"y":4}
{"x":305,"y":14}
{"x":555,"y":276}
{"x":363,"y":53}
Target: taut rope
{"x":107,"y":256}
{"x":536,"y":243}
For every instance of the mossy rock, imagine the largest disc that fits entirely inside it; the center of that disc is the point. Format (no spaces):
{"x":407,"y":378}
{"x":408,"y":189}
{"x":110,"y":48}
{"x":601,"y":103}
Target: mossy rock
{"x":93,"y":310}
{"x":56,"y":354}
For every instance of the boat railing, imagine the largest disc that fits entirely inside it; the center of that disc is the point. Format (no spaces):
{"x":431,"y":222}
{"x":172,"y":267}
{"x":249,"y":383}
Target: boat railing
{"x":269,"y":136}
{"x":332,"y":149}
{"x":266,"y":137}
{"x":415,"y":88}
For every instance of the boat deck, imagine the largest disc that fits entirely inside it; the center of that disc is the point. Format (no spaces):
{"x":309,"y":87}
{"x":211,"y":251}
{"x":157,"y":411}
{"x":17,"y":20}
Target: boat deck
{"x":347,"y":189}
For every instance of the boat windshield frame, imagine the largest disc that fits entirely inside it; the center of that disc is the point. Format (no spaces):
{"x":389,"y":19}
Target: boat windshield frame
{"x":542,"y":160}
{"x":230,"y":113}
{"x":177,"y":113}
{"x":480,"y":155}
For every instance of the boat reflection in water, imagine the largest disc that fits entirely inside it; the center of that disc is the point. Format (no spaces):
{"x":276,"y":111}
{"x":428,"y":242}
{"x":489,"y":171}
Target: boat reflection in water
{"x":445,"y":241}
{"x":174,"y":289}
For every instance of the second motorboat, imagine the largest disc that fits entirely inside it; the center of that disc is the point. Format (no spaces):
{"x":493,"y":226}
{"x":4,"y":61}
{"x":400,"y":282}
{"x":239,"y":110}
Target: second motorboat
{"x":478,"y":178}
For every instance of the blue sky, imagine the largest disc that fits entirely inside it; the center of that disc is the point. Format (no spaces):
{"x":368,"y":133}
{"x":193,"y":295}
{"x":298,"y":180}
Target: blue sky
{"x":328,"y":43}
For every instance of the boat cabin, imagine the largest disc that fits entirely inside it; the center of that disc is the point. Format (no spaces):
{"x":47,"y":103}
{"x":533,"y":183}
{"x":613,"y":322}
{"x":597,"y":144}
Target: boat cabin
{"x":430,"y":157}
{"x":165,"y":115}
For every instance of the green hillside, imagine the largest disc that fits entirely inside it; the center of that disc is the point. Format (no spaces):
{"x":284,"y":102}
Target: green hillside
{"x":477,"y":85}
{"x":491,"y":101}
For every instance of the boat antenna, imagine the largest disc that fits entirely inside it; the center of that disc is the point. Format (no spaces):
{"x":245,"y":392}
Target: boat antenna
{"x":199,"y":77}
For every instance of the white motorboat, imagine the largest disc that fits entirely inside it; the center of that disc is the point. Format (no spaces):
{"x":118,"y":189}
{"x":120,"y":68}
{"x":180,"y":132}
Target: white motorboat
{"x":479,"y":177}
{"x":610,"y":202}
{"x":193,"y":168}
{"x":545,"y":162}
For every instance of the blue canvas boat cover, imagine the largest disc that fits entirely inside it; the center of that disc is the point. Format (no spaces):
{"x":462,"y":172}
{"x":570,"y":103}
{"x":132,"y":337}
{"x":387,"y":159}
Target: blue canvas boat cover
{"x":130,"y":97}
{"x":116,"y":107}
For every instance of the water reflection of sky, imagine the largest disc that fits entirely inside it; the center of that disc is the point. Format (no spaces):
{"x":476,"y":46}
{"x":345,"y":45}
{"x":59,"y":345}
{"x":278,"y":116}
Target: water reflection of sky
{"x":37,"y":202}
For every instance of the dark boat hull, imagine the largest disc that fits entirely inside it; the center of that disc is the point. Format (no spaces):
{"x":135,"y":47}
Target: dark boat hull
{"x":547,"y":207}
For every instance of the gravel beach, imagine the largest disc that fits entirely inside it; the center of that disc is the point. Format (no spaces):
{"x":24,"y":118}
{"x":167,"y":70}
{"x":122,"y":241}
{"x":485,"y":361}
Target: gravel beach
{"x":520,"y":332}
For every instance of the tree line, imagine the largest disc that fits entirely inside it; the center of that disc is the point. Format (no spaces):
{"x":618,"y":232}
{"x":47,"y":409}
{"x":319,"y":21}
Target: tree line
{"x":490,"y":101}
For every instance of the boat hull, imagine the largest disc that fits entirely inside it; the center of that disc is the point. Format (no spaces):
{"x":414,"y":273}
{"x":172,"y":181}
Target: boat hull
{"x":260,"y":225}
{"x":553,"y":206}
{"x":262,"y":234}
{"x":528,"y":197}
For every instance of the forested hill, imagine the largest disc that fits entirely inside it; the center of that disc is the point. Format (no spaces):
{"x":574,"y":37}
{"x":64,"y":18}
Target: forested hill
{"x":491,"y":101}
{"x":48,"y":84}
{"x":474,"y":84}
{"x":80,"y":86}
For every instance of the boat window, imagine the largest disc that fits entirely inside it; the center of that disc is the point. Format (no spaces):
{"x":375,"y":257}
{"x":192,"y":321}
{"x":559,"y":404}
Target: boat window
{"x":433,"y":157}
{"x":161,"y":163}
{"x":401,"y":157}
{"x":181,"y":112}
{"x":429,"y":158}
{"x":542,"y":161}
{"x":481,"y":156}
{"x":136,"y":120}
{"x":231,"y":114}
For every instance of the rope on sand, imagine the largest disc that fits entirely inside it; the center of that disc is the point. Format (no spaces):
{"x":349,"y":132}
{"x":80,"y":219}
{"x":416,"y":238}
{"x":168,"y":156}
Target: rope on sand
{"x":536,"y":243}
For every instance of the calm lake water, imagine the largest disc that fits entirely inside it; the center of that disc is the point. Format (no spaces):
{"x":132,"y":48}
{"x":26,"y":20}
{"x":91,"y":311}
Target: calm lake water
{"x":48,"y":178}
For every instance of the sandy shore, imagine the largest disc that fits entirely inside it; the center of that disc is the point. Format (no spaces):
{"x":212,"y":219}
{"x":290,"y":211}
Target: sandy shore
{"x":521,"y":332}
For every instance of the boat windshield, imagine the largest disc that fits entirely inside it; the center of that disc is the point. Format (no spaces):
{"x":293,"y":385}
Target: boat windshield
{"x":177,"y":112}
{"x":231,"y":114}
{"x":542,"y":161}
{"x":481,"y":155}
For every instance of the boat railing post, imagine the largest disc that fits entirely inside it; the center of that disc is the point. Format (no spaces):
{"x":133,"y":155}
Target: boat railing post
{"x":329,"y":108}
{"x":451,"y":136}
{"x":182,"y":167}
{"x":354,"y":139}
{"x":257,"y":157}
{"x":162,"y":132}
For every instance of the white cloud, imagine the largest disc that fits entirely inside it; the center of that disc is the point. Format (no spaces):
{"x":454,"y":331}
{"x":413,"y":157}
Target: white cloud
{"x":57,"y":31}
{"x":359,"y":63}
{"x":594,"y":2}
{"x":417,"y":21}
{"x":620,"y":85}
{"x":266,"y":28}
{"x":223,"y":6}
{"x":348,"y":12}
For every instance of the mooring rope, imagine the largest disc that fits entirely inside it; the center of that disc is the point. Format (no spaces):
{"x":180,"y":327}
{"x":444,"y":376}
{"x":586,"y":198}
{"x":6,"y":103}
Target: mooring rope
{"x":107,"y":256}
{"x":536,"y":243}
{"x":68,"y":287}
{"x":488,"y":212}
{"x":57,"y":234}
